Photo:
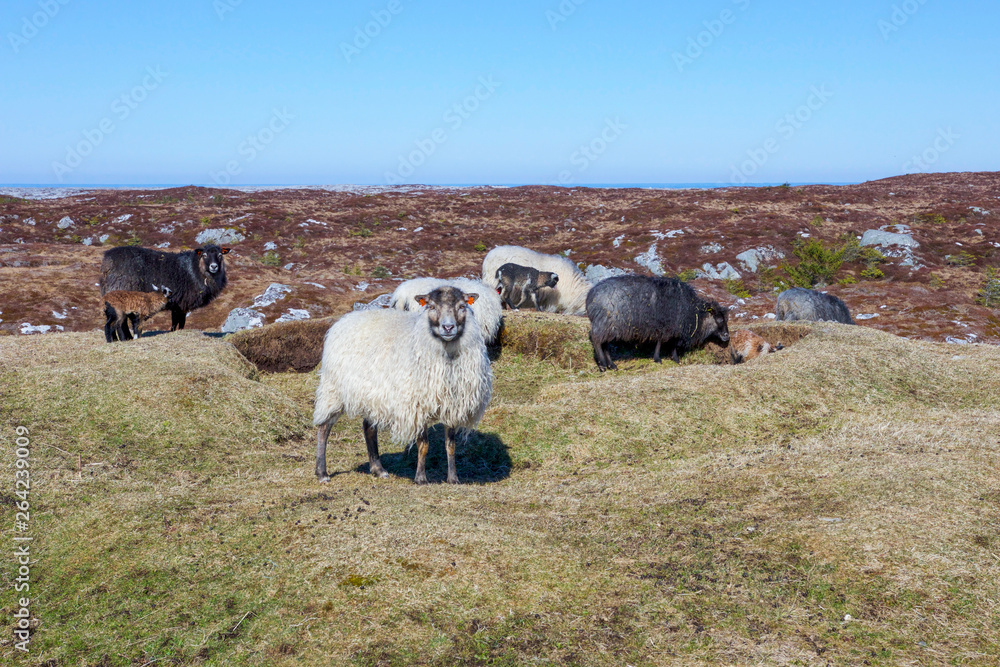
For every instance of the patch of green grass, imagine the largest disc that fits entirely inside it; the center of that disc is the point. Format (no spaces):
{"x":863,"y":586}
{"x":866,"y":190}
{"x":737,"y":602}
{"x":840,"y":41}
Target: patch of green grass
{"x":205,"y":221}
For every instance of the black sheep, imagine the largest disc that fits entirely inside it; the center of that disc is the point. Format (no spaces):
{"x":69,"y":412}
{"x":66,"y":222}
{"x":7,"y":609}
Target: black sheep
{"x":638,"y":309}
{"x":798,"y":303}
{"x":518,"y":285}
{"x":195,"y":277}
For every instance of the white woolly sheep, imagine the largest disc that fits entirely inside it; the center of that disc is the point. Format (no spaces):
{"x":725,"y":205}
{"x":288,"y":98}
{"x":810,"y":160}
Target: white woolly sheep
{"x":405,"y":371}
{"x":488,"y":307}
{"x":570,"y":296}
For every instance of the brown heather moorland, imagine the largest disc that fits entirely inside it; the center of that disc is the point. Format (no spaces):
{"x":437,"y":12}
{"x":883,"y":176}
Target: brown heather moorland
{"x":834,"y":503}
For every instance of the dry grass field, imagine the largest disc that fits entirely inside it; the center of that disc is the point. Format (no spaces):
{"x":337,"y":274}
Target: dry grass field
{"x":836,"y":503}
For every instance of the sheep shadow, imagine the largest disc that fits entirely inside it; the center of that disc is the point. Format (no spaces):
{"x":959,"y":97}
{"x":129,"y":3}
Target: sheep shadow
{"x":480,"y":458}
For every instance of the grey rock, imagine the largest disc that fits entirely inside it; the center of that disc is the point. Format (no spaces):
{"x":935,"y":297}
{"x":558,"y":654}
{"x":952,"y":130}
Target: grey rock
{"x":294,"y":315}
{"x":65,"y":223}
{"x":219,"y":236}
{"x":103,"y":237}
{"x":651,"y":260}
{"x":596,"y":273}
{"x":886,"y":239}
{"x":87,"y":241}
{"x":242,"y":318}
{"x":711,"y":248}
{"x":270,"y":245}
{"x":274,"y":292}
{"x":753,"y":258}
{"x":381,"y":301}
{"x":721,"y":272}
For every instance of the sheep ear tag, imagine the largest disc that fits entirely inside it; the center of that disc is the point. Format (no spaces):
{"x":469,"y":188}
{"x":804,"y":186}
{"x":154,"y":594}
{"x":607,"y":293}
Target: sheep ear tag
{"x":225,"y":251}
{"x":421,"y":300}
{"x":198,"y":252}
{"x":471,"y":298}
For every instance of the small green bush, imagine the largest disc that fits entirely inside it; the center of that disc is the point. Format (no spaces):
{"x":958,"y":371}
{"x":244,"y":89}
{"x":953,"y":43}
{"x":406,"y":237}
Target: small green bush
{"x":817,"y":265}
{"x":961,"y":259}
{"x":362,"y":231}
{"x":989,"y":295}
{"x":380,"y":272}
{"x":479,"y":247}
{"x":872,"y":273}
{"x":687,"y":275}
{"x":817,"y":220}
{"x":847,"y":280}
{"x":736,"y":287}
{"x":271,"y":258}
{"x":768,"y":280}
{"x":937,"y":282}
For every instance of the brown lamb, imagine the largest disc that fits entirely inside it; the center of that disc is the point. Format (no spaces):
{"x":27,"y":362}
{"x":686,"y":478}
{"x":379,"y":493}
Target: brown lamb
{"x":745,"y":345}
{"x":120,"y":306}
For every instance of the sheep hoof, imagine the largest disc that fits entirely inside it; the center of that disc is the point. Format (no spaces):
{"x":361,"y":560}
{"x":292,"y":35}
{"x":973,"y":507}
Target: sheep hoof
{"x":420,"y":480}
{"x":324,"y":479}
{"x":453,"y":480}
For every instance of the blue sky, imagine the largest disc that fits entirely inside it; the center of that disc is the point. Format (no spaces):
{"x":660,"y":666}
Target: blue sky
{"x":250,"y":92}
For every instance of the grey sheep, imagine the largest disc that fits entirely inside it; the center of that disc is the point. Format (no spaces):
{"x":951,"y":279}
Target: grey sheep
{"x":518,"y":285}
{"x":637,"y":309}
{"x":806,"y":304}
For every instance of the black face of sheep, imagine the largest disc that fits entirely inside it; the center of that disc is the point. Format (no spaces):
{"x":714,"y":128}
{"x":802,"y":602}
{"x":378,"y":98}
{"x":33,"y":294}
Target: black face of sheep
{"x":195,"y":276}
{"x":446,"y":311}
{"x":638,"y":309}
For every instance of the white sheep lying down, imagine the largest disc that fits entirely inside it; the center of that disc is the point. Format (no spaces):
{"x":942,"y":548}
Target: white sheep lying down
{"x":569,"y":296}
{"x":405,"y":371}
{"x":488,"y":309}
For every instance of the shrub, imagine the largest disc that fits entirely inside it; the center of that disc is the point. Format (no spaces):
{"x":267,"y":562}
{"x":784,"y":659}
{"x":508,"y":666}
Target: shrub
{"x":768,"y":280}
{"x":989,"y":295}
{"x":362,"y":231}
{"x":933,"y":218}
{"x":736,"y":287}
{"x":479,"y":247}
{"x":961,"y":259}
{"x":847,"y":280}
{"x":271,"y":258}
{"x":937,"y":282}
{"x":380,"y":272}
{"x":205,"y":220}
{"x":817,"y":220}
{"x":817,"y":265}
{"x":872,"y":273}
{"x":133,"y":239}
{"x":687,"y":275}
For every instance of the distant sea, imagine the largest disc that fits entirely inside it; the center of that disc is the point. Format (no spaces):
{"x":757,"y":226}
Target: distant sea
{"x":54,"y":191}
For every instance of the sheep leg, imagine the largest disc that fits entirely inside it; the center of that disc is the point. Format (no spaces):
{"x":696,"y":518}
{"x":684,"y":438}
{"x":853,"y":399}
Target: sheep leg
{"x":137,"y":326}
{"x":109,"y":330}
{"x":422,"y":446}
{"x":674,"y":356}
{"x":371,"y":440}
{"x":121,"y":326}
{"x":177,"y":317}
{"x":656,"y":352}
{"x":449,"y":436}
{"x":322,"y":435}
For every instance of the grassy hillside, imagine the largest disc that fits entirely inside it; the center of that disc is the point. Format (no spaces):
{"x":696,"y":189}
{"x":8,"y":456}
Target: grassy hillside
{"x":661,"y":514}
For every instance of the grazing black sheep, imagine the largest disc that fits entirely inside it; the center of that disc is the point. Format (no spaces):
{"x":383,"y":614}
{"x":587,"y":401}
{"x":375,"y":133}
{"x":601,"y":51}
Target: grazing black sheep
{"x":194,"y":277}
{"x":518,"y":285}
{"x":806,"y":304}
{"x":636,"y":309}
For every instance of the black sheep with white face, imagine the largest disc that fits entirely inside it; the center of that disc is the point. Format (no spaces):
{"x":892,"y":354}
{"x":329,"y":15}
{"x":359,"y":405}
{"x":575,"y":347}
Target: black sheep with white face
{"x":518,"y":285}
{"x":195,"y":277}
{"x":638,"y":309}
